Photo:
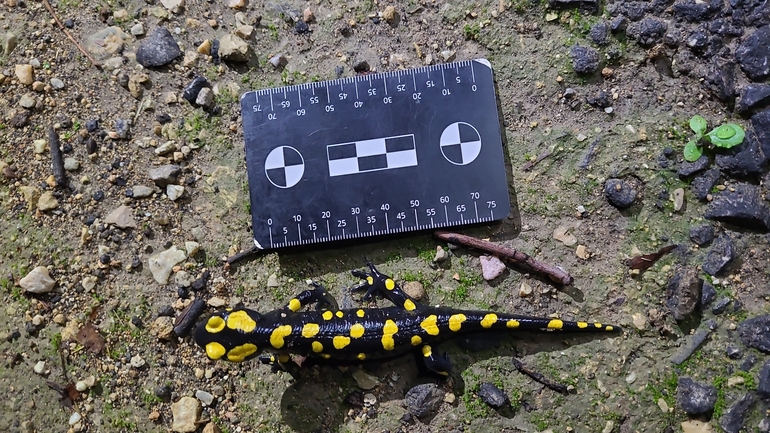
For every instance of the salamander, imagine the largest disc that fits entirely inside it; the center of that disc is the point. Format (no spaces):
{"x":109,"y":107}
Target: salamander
{"x":359,"y":334}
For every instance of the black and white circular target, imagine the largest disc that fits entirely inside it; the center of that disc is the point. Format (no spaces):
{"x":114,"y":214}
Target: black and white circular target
{"x":460,"y":143}
{"x":284,"y":166}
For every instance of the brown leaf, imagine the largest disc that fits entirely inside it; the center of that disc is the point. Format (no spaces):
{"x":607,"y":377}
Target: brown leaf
{"x":89,"y":337}
{"x":646,"y":261}
{"x":67,"y":394}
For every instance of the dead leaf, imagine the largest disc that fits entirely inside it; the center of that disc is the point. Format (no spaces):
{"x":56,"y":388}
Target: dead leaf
{"x":89,"y":337}
{"x":646,"y":261}
{"x":67,"y":394}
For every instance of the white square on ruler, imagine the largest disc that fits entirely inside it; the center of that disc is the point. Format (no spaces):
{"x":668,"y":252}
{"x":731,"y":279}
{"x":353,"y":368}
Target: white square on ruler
{"x":370,"y":147}
{"x":403,"y":158}
{"x":339,"y":167}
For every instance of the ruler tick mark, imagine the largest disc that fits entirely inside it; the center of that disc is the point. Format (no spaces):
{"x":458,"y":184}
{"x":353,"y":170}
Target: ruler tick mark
{"x":477,"y":209}
{"x":443,"y":80}
{"x":271,"y":102}
{"x":473,"y":75}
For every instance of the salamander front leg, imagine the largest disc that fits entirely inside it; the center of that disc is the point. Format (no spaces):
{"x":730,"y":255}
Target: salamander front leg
{"x":377,"y":284}
{"x":318,"y":295}
{"x":280,"y":363}
{"x":436,"y":363}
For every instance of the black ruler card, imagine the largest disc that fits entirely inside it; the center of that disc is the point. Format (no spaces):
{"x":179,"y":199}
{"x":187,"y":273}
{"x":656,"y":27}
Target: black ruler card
{"x":374,"y":154}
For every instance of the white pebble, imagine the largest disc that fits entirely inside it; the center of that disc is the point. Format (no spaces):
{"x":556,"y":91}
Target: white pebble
{"x":75,"y":418}
{"x":39,"y":368}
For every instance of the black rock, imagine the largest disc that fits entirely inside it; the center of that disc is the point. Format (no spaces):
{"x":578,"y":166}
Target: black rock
{"x":648,"y":31}
{"x":137,"y":321}
{"x":724,"y":27}
{"x":424,"y":399}
{"x":748,"y":363}
{"x":742,"y":207}
{"x":697,"y":41}
{"x":620,"y":193}
{"x":702,"y":235}
{"x":753,"y":97}
{"x":701,"y":186}
{"x":755,"y":332}
{"x":599,"y":33}
{"x":98,"y":195}
{"x":602,"y":99}
{"x":721,"y":253}
{"x":763,"y":380}
{"x":753,"y":54}
{"x":683,"y":293}
{"x":734,"y":418}
{"x":338,"y":71}
{"x":215,"y":51}
{"x":301,"y":27}
{"x":136,"y":262}
{"x":20,"y":119}
{"x":194,"y":87}
{"x":104,"y":259}
{"x":123,"y":79}
{"x":721,"y":305}
{"x":695,"y":11}
{"x":362,"y":66}
{"x":672,"y":37}
{"x":745,"y":160}
{"x":163,"y":118}
{"x":634,"y":10}
{"x":585,"y":60}
{"x":92,"y":126}
{"x":158,"y":49}
{"x":163,"y":392}
{"x":734,"y":352}
{"x":69,"y":23}
{"x":708,"y":292}
{"x":720,"y":79}
{"x":591,"y":6}
{"x":492,"y":395}
{"x":760,"y":124}
{"x":166,"y":311}
{"x":687,"y":169}
{"x":200,"y":283}
{"x":694,"y":398}
{"x":618,"y":24}
{"x":182,"y":292}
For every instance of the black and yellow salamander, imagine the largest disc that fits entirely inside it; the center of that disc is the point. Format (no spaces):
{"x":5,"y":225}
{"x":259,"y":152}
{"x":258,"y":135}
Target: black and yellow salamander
{"x":361,"y":334}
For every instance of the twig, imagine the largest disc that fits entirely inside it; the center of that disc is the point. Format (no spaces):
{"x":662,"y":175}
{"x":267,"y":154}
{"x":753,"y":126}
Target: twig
{"x":589,"y":155}
{"x":240,"y":256}
{"x":528,"y":166}
{"x":555,"y":273}
{"x":66,"y":32}
{"x":187,"y":318}
{"x":57,"y":161}
{"x":537,"y":377}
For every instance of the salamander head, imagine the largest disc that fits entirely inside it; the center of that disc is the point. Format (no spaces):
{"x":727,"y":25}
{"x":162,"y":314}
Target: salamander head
{"x":234,"y":335}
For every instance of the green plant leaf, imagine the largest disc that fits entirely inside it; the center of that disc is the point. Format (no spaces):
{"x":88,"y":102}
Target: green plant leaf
{"x":698,"y":124}
{"x":727,"y":135}
{"x":692,"y":151}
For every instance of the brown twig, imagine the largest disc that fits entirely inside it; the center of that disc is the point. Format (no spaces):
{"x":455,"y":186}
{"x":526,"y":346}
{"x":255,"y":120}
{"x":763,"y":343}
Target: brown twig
{"x":57,"y":162}
{"x":537,"y":377}
{"x":555,"y":273}
{"x":69,"y":36}
{"x":240,"y":256}
{"x":530,"y":164}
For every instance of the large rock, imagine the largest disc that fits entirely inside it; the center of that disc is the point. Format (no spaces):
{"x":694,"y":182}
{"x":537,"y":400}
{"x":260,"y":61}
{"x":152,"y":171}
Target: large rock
{"x":163,"y":263}
{"x":748,"y":159}
{"x":585,"y":60}
{"x":755,"y":332}
{"x":122,"y":217}
{"x":158,"y":49}
{"x":233,"y":49}
{"x":753,"y":97}
{"x":165,"y":174}
{"x":648,"y":31}
{"x":697,"y":10}
{"x":720,"y":255}
{"x":701,"y":185}
{"x":683,"y":293}
{"x":37,"y":281}
{"x":695,"y":398}
{"x":741,"y":205}
{"x":763,"y":382}
{"x":620,"y":193}
{"x":186,"y":412}
{"x":753,"y":54}
{"x":760,"y":123}
{"x":735,"y":417}
{"x":424,"y":399}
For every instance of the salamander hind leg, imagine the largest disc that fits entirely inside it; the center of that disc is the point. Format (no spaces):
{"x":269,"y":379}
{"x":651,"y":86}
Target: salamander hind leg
{"x":435,"y":362}
{"x":318,"y":295}
{"x":378,"y":284}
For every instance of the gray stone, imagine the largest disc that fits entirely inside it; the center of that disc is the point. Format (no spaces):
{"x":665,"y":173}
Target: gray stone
{"x":742,"y":206}
{"x":233,"y":49}
{"x":585,"y":60}
{"x":8,"y":43}
{"x":735,"y":417}
{"x":28,"y":101}
{"x":206,"y":398}
{"x":365,"y":380}
{"x":141,"y":191}
{"x":720,"y":255}
{"x":174,"y":191}
{"x":158,"y":49}
{"x":683,"y":293}
{"x":424,"y":399}
{"x":71,"y":164}
{"x":491,"y":267}
{"x":753,"y":54}
{"x":755,"y":332}
{"x":165,"y":174}
{"x":122,"y":218}
{"x":695,"y":398}
{"x":186,"y":413}
{"x":162,"y":264}
{"x":205,"y":98}
{"x":37,"y":281}
{"x":137,"y":29}
{"x":279,"y":61}
{"x":106,"y":42}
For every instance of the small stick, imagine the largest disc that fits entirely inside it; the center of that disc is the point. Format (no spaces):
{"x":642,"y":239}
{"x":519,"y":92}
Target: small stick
{"x":529,"y":164}
{"x":555,"y":273}
{"x":56,"y":158}
{"x":66,"y":32}
{"x":242,"y":255}
{"x":537,"y":377}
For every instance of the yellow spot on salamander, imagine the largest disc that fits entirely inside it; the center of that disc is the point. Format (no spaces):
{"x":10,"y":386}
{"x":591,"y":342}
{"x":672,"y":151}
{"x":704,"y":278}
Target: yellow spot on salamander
{"x":317,"y":347}
{"x":327,"y":315}
{"x":239,"y":353}
{"x":284,"y":358}
{"x":310,"y":330}
{"x":215,"y":350}
{"x":340,"y":342}
{"x":512,"y":323}
{"x":241,"y":321}
{"x":388,"y":331}
{"x":390,"y":284}
{"x":429,"y":325}
{"x":215,"y":324}
{"x":582,"y":325}
{"x":361,"y":356}
{"x":609,"y":328}
{"x":489,"y":320}
{"x":276,"y":337}
{"x":325,"y":356}
{"x":427,"y":351}
{"x":416,"y":340}
{"x":339,"y":314}
{"x":295,"y":305}
{"x":456,"y":321}
{"x":360,"y":313}
{"x":555,"y":324}
{"x":369,"y":281}
{"x":598,"y":325}
{"x":409,"y":305}
{"x":357,"y":330}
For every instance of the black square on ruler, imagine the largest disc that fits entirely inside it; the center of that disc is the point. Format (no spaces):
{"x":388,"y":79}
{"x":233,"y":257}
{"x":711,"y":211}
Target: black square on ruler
{"x":277,"y":176}
{"x":342,"y":151}
{"x":399,"y":143}
{"x":467,"y":133}
{"x":374,"y":162}
{"x":453,"y":152}
{"x":291,"y":157}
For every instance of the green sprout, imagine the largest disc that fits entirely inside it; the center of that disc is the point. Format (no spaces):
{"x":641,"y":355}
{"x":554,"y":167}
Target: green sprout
{"x":725,"y":136}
